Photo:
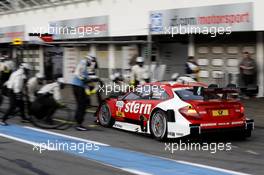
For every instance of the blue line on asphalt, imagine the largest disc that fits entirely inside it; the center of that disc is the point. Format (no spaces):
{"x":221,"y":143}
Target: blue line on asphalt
{"x":117,"y":157}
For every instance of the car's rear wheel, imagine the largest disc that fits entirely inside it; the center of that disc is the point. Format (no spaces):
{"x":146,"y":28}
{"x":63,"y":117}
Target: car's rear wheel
{"x":104,"y":116}
{"x":158,"y":125}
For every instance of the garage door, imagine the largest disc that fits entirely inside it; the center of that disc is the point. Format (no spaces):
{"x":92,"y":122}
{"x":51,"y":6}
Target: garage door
{"x":220,"y":63}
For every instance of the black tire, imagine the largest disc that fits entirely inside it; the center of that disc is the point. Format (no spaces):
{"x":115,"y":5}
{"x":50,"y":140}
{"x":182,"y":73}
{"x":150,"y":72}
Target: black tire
{"x":241,"y":135}
{"x":62,"y":119}
{"x":159,"y":117}
{"x":247,"y":133}
{"x":104,"y":116}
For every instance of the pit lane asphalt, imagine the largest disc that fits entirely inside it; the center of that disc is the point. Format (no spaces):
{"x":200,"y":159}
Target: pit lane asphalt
{"x":246,"y":155}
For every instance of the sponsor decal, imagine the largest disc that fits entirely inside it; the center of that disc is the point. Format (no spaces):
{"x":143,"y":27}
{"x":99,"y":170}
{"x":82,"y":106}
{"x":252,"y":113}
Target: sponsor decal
{"x":179,"y":134}
{"x":156,"y":22}
{"x":120,"y":104}
{"x":222,"y":124}
{"x":208,"y":124}
{"x":133,"y":107}
{"x":118,"y":126}
{"x":172,"y":134}
{"x":239,"y":122}
{"x":120,"y":114}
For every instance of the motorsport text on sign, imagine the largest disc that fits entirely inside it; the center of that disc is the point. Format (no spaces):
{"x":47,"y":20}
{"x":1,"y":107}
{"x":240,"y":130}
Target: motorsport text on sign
{"x":232,"y":17}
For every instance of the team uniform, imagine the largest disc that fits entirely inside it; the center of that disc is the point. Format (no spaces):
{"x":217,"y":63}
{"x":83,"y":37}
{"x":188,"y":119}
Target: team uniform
{"x":192,"y":69}
{"x":15,"y":86}
{"x":80,"y":78}
{"x":47,"y":102}
{"x":6,"y":68}
{"x":139,"y":72}
{"x":33,"y":86}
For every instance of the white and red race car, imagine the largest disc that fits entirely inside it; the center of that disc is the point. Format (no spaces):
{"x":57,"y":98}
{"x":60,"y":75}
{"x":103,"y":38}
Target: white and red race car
{"x":174,"y":110}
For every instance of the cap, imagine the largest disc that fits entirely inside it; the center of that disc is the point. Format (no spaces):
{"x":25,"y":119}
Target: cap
{"x":39,"y":75}
{"x":140,"y":59}
{"x":90,"y":58}
{"x":175,"y":76}
{"x":26,"y":66}
{"x":60,"y":80}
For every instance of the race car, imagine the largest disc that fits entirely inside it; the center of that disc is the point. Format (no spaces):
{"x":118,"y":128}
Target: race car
{"x":174,"y":110}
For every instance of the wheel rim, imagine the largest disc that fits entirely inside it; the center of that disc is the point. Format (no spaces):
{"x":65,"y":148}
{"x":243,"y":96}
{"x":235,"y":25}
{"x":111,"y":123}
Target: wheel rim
{"x":104,"y":115}
{"x":158,"y":125}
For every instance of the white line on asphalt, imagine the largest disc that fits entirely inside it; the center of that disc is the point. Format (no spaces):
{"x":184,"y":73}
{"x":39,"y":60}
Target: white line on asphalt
{"x":18,"y":139}
{"x":135,"y":171}
{"x":212,"y":168}
{"x":35,"y":144}
{"x":252,"y":152}
{"x":66,"y":136}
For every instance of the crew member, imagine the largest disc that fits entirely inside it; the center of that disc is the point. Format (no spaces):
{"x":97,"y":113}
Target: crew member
{"x":15,"y":85}
{"x":139,"y":72}
{"x":7,"y":67}
{"x":48,"y":100}
{"x":192,"y":68}
{"x":33,"y":85}
{"x":79,"y":84}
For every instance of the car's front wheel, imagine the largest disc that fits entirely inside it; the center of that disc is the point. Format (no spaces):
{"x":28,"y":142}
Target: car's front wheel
{"x":104,"y":116}
{"x":158,"y":125}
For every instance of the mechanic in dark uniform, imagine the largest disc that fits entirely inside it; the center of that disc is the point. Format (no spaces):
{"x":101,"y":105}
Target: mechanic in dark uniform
{"x":48,"y":100}
{"x":79,"y":84}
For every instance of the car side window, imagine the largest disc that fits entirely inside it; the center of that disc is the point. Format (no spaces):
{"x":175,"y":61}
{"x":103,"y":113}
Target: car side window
{"x":159,"y":94}
{"x":148,"y":92}
{"x":132,"y":96}
{"x":144,"y":92}
{"x":164,"y":95}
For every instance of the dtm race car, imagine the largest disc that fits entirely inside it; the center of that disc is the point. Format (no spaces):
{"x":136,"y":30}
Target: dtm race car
{"x":174,"y":110}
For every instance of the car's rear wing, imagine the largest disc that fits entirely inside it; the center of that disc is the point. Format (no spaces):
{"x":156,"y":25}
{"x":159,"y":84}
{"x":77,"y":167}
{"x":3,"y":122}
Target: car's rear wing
{"x":198,"y":90}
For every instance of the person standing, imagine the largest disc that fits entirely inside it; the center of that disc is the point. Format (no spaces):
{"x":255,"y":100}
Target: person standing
{"x":139,"y":72}
{"x":7,"y":67}
{"x":49,"y":69}
{"x":79,"y":84}
{"x":15,"y":85}
{"x":248,"y":70}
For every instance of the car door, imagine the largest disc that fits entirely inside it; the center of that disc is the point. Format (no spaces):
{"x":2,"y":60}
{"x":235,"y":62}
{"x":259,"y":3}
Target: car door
{"x":124,"y":107}
{"x":151,"y":96}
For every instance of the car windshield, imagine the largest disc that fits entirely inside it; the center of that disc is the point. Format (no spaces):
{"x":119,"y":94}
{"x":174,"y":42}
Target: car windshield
{"x":188,"y":94}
